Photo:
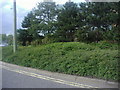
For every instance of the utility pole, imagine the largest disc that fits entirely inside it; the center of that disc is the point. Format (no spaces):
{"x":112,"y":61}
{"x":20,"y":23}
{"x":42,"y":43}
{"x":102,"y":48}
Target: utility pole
{"x":15,"y":27}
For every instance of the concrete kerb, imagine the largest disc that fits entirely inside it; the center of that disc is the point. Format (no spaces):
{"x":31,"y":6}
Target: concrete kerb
{"x":72,"y":78}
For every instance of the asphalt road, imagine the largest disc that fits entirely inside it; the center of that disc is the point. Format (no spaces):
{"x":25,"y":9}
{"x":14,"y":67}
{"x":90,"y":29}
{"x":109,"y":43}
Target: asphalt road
{"x":0,"y":78}
{"x":16,"y":80}
{"x":14,"y":76}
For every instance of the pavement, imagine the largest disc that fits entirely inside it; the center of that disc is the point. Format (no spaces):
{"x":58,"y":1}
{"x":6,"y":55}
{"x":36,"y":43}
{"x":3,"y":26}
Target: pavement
{"x":14,"y":76}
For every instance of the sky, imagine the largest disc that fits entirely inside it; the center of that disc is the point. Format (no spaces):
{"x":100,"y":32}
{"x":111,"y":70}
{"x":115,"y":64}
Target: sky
{"x":23,"y":7}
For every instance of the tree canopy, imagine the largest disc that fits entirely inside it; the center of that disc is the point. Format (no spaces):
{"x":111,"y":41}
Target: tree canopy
{"x":87,"y":22}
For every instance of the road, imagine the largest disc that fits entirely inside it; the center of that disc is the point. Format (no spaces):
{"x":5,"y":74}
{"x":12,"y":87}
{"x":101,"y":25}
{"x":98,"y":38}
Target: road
{"x":16,"y":80}
{"x":19,"y":77}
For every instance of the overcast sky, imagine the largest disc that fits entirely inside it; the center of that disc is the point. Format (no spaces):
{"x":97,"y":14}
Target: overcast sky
{"x":23,"y":7}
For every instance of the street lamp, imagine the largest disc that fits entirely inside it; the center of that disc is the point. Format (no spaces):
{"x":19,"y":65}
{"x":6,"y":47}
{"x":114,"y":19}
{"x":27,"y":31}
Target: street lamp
{"x":15,"y":27}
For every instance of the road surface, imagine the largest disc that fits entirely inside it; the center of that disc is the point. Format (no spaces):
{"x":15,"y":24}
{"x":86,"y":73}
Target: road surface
{"x":16,"y":80}
{"x":18,"y":77}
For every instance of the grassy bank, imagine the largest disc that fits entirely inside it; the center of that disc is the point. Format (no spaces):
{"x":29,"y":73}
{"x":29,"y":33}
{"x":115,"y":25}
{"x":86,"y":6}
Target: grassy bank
{"x":91,"y":60}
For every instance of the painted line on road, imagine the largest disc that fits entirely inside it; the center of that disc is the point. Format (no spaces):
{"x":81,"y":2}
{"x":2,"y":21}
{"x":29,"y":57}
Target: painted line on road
{"x":48,"y":78}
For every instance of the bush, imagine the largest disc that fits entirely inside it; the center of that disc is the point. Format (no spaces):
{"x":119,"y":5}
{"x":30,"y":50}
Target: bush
{"x":71,"y":58}
{"x":36,"y":42}
{"x":88,"y":36}
{"x":106,"y":45}
{"x":48,"y":39}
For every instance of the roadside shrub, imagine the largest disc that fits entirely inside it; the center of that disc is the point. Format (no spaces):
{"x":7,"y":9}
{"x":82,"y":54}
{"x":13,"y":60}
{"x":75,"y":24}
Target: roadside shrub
{"x":36,"y":42}
{"x":74,"y":58}
{"x":86,"y":35}
{"x":48,"y":39}
{"x":106,"y":45}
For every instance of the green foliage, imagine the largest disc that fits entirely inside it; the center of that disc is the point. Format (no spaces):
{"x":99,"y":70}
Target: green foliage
{"x":46,"y":15}
{"x":24,"y":37}
{"x":6,"y":39}
{"x":86,"y":22}
{"x":112,"y":35}
{"x":90,"y":60}
{"x":36,"y":42}
{"x":41,"y":19}
{"x":101,"y":22}
{"x":106,"y":45}
{"x":6,"y":52}
{"x":27,"y":20}
{"x":10,"y":39}
{"x":48,"y":39}
{"x":67,"y":22}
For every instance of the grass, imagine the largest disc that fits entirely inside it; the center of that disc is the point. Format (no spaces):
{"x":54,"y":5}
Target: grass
{"x":75,"y":58}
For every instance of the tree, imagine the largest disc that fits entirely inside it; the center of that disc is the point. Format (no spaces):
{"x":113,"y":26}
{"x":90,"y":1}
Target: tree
{"x":89,"y":22}
{"x":31,"y":25}
{"x":24,"y":36}
{"x":67,"y":22}
{"x":4,"y":38}
{"x":100,"y":18}
{"x":41,"y":19}
{"x":46,"y":14}
{"x":10,"y":39}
